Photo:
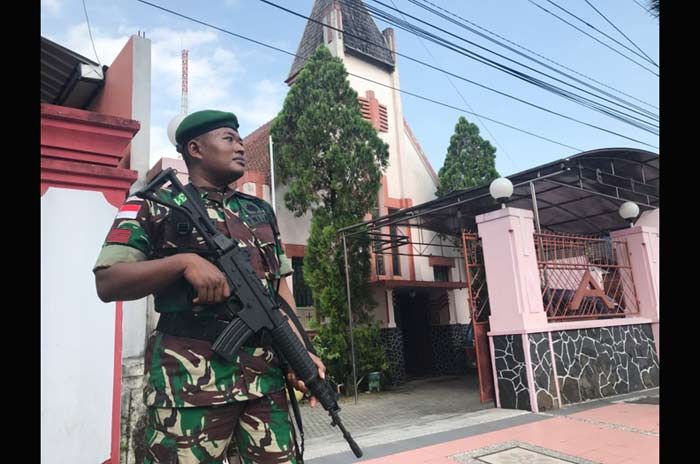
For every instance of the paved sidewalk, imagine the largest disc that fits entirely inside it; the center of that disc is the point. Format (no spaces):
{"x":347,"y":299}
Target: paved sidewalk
{"x":415,"y":402}
{"x":617,"y":430}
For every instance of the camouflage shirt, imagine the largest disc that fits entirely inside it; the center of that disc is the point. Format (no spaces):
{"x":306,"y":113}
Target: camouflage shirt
{"x":181,"y":371}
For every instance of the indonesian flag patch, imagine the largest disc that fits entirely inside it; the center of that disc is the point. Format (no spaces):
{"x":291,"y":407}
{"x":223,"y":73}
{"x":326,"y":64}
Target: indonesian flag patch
{"x":129,"y":210}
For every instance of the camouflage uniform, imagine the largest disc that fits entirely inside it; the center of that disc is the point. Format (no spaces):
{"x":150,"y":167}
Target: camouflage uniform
{"x":196,"y":400}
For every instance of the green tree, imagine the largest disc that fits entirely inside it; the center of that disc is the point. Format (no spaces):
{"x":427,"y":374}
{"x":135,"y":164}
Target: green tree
{"x":470,"y":160}
{"x":332,"y":161}
{"x":654,"y":7}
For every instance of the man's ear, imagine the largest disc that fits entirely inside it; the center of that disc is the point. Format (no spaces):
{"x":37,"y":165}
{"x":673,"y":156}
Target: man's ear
{"x":195,"y":149}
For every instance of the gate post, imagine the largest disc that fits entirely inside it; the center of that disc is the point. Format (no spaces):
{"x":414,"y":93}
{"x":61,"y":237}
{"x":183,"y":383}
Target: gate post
{"x":511,"y":271}
{"x":643,"y":249}
{"x":515,"y":299}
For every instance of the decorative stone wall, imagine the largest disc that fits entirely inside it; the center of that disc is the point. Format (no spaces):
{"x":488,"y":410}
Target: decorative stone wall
{"x":600,"y":362}
{"x":449,"y":344}
{"x":589,"y":364}
{"x":392,"y":341}
{"x":511,"y":372}
{"x":543,"y":371}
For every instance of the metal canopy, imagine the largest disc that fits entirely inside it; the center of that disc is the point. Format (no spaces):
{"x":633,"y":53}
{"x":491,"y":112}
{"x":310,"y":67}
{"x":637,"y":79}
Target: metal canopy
{"x":580,"y":194}
{"x":67,"y":78}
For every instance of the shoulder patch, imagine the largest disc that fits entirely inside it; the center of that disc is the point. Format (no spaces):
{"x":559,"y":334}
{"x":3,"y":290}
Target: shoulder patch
{"x":119,"y":236}
{"x":128,"y":211}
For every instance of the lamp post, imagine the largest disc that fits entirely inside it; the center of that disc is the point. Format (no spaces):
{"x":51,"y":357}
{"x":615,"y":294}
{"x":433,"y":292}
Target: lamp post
{"x":629,"y":212}
{"x":172,"y":128}
{"x":501,"y":189}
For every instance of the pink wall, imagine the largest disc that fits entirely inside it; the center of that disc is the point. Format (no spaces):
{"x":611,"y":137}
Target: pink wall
{"x":643,"y":247}
{"x":165,"y":163}
{"x":116,"y":95}
{"x":80,"y":150}
{"x":511,"y":267}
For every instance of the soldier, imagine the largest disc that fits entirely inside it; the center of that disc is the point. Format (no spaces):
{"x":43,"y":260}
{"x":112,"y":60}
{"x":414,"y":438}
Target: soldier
{"x":197,"y":402}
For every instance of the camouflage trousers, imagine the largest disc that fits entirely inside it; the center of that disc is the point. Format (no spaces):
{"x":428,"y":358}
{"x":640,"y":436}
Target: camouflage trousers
{"x":261,"y":430}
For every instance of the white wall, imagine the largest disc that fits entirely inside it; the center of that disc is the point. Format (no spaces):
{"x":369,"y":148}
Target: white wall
{"x":649,"y":219}
{"x":385,"y":96}
{"x":420,"y":186}
{"x":77,"y":329}
{"x":134,"y":326}
{"x":408,"y":176}
{"x":294,"y":230}
{"x":380,"y":297}
{"x":461,"y":305}
{"x":135,"y":312}
{"x":249,"y":188}
{"x":418,"y":183}
{"x":141,"y":111}
{"x":424,"y":272}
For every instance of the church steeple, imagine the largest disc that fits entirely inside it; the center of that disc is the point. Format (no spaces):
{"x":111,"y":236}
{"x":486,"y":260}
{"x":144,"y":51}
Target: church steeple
{"x":352,"y":17}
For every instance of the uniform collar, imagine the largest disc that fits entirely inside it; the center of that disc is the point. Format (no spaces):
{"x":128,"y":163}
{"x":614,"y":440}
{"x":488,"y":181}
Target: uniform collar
{"x":216,"y":194}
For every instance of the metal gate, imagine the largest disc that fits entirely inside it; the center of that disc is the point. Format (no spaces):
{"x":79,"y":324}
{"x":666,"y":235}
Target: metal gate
{"x":480,"y":312}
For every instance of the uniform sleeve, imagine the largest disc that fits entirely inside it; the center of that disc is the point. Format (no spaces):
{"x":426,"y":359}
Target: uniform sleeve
{"x":128,"y":239}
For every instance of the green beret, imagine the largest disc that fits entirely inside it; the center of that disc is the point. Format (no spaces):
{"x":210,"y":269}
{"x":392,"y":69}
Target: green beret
{"x":200,"y":122}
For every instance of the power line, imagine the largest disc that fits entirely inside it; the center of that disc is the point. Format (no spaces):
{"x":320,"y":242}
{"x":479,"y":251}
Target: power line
{"x":87,"y":19}
{"x":464,"y":99}
{"x":618,"y":30}
{"x":640,"y":124}
{"x":447,"y":105}
{"x":452,"y":74}
{"x":464,"y":26}
{"x":617,"y":114}
{"x":641,"y":6}
{"x":603,"y":33}
{"x":594,"y":38}
{"x":567,"y":94}
{"x":272,"y":47}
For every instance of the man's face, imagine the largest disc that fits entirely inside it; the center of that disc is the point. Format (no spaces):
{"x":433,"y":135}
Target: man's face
{"x":221,"y":154}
